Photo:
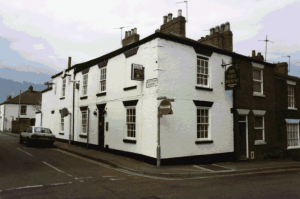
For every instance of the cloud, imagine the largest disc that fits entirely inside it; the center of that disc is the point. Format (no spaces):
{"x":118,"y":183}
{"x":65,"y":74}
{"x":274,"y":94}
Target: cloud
{"x":38,"y":46}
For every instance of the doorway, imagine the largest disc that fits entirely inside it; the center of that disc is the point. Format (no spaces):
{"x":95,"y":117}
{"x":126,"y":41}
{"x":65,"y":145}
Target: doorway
{"x":243,"y":137}
{"x":101,"y":122}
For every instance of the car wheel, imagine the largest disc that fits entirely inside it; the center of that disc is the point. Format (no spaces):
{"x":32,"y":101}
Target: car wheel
{"x":21,"y":141}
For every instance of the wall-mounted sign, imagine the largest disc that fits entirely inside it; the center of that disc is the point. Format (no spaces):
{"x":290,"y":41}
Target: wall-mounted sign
{"x":137,"y":72}
{"x":151,"y":82}
{"x":232,"y":78}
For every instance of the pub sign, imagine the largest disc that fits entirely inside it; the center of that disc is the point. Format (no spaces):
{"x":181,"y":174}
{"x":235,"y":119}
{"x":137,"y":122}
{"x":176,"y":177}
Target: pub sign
{"x":137,"y":72}
{"x":232,"y":78}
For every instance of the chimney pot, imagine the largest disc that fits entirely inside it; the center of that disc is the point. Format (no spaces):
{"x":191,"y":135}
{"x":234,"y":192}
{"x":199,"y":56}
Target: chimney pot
{"x":126,"y":34}
{"x":170,"y":17}
{"x":217,"y":29}
{"x":165,"y":19}
{"x":129,"y":33}
{"x":212,"y":31}
{"x":258,"y":54}
{"x":132,"y":31}
{"x":135,"y":30}
{"x":253,"y":53}
{"x":222,"y":27}
{"x":202,"y":37}
{"x":227,"y":26}
{"x":179,"y":13}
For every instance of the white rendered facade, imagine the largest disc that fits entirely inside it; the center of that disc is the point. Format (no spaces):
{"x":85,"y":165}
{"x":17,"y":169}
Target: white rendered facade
{"x":175,"y":67}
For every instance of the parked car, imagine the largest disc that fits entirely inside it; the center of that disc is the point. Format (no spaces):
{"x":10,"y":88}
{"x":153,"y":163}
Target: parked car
{"x":37,"y":134}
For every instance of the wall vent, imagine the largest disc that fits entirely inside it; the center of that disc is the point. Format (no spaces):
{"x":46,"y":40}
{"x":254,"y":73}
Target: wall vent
{"x":252,"y":155}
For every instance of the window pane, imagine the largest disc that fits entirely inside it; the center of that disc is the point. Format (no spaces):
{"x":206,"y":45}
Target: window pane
{"x":258,"y":122}
{"x":257,"y":87}
{"x":242,"y":118}
{"x":258,"y":134}
{"x":257,"y":74}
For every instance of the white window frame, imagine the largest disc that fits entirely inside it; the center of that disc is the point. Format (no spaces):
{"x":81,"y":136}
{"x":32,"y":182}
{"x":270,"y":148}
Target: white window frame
{"x":291,"y":98}
{"x":130,"y":121}
{"x":82,"y":123}
{"x":85,"y":84}
{"x":202,"y":73}
{"x":209,"y":123}
{"x":260,"y":113}
{"x":63,"y":87}
{"x":102,"y":83}
{"x":288,"y":127}
{"x":62,"y":124}
{"x":22,"y":108}
{"x":260,"y":81}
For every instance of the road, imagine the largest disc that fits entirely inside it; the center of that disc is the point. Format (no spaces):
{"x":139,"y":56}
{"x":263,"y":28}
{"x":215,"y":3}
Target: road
{"x":46,"y":172}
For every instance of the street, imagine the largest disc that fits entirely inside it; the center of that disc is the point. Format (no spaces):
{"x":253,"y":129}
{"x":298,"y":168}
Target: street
{"x":47,"y":172}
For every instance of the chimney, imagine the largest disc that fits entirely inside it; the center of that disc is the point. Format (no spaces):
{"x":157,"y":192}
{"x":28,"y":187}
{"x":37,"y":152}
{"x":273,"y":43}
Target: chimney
{"x":69,"y":63}
{"x":220,"y":36}
{"x":258,"y":56}
{"x":130,"y":37}
{"x":175,"y":26}
{"x":170,"y":17}
{"x":282,"y":68}
{"x":253,"y":53}
{"x":8,"y":97}
{"x":30,"y":89}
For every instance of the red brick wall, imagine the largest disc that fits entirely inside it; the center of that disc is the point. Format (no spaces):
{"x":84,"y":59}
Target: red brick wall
{"x":176,"y":26}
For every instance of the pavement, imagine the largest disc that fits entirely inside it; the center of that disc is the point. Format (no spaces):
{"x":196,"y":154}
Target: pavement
{"x":176,"y":171}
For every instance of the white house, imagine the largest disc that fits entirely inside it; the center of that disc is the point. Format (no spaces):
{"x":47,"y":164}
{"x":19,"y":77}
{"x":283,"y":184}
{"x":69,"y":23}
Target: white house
{"x":30,"y":102}
{"x":110,"y":110}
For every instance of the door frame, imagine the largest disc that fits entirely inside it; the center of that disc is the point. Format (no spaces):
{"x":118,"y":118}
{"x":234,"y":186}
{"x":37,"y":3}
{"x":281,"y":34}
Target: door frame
{"x":101,"y":108}
{"x":247,"y":141}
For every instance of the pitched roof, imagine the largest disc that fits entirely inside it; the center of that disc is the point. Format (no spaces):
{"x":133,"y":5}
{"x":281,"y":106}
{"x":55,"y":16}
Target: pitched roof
{"x":287,"y":77}
{"x":27,"y":97}
{"x":171,"y":37}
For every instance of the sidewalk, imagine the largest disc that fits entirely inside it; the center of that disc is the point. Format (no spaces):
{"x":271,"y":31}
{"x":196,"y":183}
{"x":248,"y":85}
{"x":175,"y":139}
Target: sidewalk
{"x":176,"y":171}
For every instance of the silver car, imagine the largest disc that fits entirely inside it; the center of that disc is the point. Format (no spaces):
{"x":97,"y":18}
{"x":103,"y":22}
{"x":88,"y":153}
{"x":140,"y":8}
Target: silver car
{"x":37,"y":134}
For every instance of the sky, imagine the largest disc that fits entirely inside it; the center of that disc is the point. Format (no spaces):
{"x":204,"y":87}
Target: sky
{"x":38,"y":36}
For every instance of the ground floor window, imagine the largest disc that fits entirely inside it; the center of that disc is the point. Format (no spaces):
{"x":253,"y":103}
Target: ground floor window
{"x":62,"y":124}
{"x":84,"y":122}
{"x":202,"y":123}
{"x":131,"y":121}
{"x":259,"y":128}
{"x":292,"y":135}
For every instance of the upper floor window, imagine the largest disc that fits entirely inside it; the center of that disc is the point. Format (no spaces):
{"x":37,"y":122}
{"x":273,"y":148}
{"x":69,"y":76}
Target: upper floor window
{"x":23,"y":110}
{"x":258,"y":81}
{"x":63,"y":88}
{"x":202,"y":71}
{"x":85,"y":84}
{"x":102,"y":86}
{"x":291,"y":96}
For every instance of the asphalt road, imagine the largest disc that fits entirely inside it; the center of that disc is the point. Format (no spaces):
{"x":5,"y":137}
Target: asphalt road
{"x":46,"y":172}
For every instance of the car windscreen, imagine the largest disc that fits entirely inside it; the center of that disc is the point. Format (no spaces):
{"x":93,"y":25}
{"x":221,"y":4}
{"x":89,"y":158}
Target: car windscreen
{"x":42,"y":130}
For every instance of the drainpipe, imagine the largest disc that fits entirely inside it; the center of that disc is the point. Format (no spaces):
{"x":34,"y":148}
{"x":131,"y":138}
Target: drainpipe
{"x":74,"y":83}
{"x":4,"y":122}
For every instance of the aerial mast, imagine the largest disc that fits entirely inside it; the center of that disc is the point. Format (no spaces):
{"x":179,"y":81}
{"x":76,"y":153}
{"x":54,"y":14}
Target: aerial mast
{"x":266,"y":46}
{"x":186,"y":9}
{"x":122,"y":31}
{"x":289,"y":60}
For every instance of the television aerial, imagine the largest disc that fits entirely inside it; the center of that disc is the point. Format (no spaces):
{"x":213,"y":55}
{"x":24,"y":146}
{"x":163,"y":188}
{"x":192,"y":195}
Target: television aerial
{"x":186,"y":9}
{"x":122,"y":31}
{"x":266,"y":46}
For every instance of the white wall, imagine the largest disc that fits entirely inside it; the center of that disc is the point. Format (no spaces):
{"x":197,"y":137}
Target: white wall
{"x":38,"y":119}
{"x":178,"y":79}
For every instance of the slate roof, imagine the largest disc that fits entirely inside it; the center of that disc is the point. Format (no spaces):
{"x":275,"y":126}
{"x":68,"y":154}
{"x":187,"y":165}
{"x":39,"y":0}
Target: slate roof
{"x":27,"y":97}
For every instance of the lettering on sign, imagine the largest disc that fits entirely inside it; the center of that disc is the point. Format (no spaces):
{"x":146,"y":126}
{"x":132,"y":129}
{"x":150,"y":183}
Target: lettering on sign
{"x":151,"y":83}
{"x":232,"y":78}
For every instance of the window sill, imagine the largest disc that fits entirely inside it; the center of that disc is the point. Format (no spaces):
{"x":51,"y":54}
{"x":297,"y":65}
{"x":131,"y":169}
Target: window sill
{"x":258,"y":95}
{"x":101,"y":94}
{"x":203,"y":88}
{"x":83,"y":136}
{"x":61,"y":133}
{"x":204,"y":142}
{"x":293,"y":147}
{"x":84,"y":97}
{"x":62,"y":98}
{"x":260,"y":142}
{"x":129,"y":88}
{"x":292,"y":108}
{"x":129,"y":141}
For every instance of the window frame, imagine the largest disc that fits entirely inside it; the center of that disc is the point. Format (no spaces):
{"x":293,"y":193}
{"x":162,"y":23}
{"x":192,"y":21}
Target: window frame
{"x":23,"y":109}
{"x":209,"y":123}
{"x":102,"y":79}
{"x":85,"y":84}
{"x":86,"y":124}
{"x":260,"y":128}
{"x":261,"y":81}
{"x":134,"y":123}
{"x":287,"y":137}
{"x":62,"y":124}
{"x":198,"y":72}
{"x":291,"y":96}
{"x":63,"y":87}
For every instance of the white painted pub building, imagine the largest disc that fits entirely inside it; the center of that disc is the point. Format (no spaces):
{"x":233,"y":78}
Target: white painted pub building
{"x":114,"y":107}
